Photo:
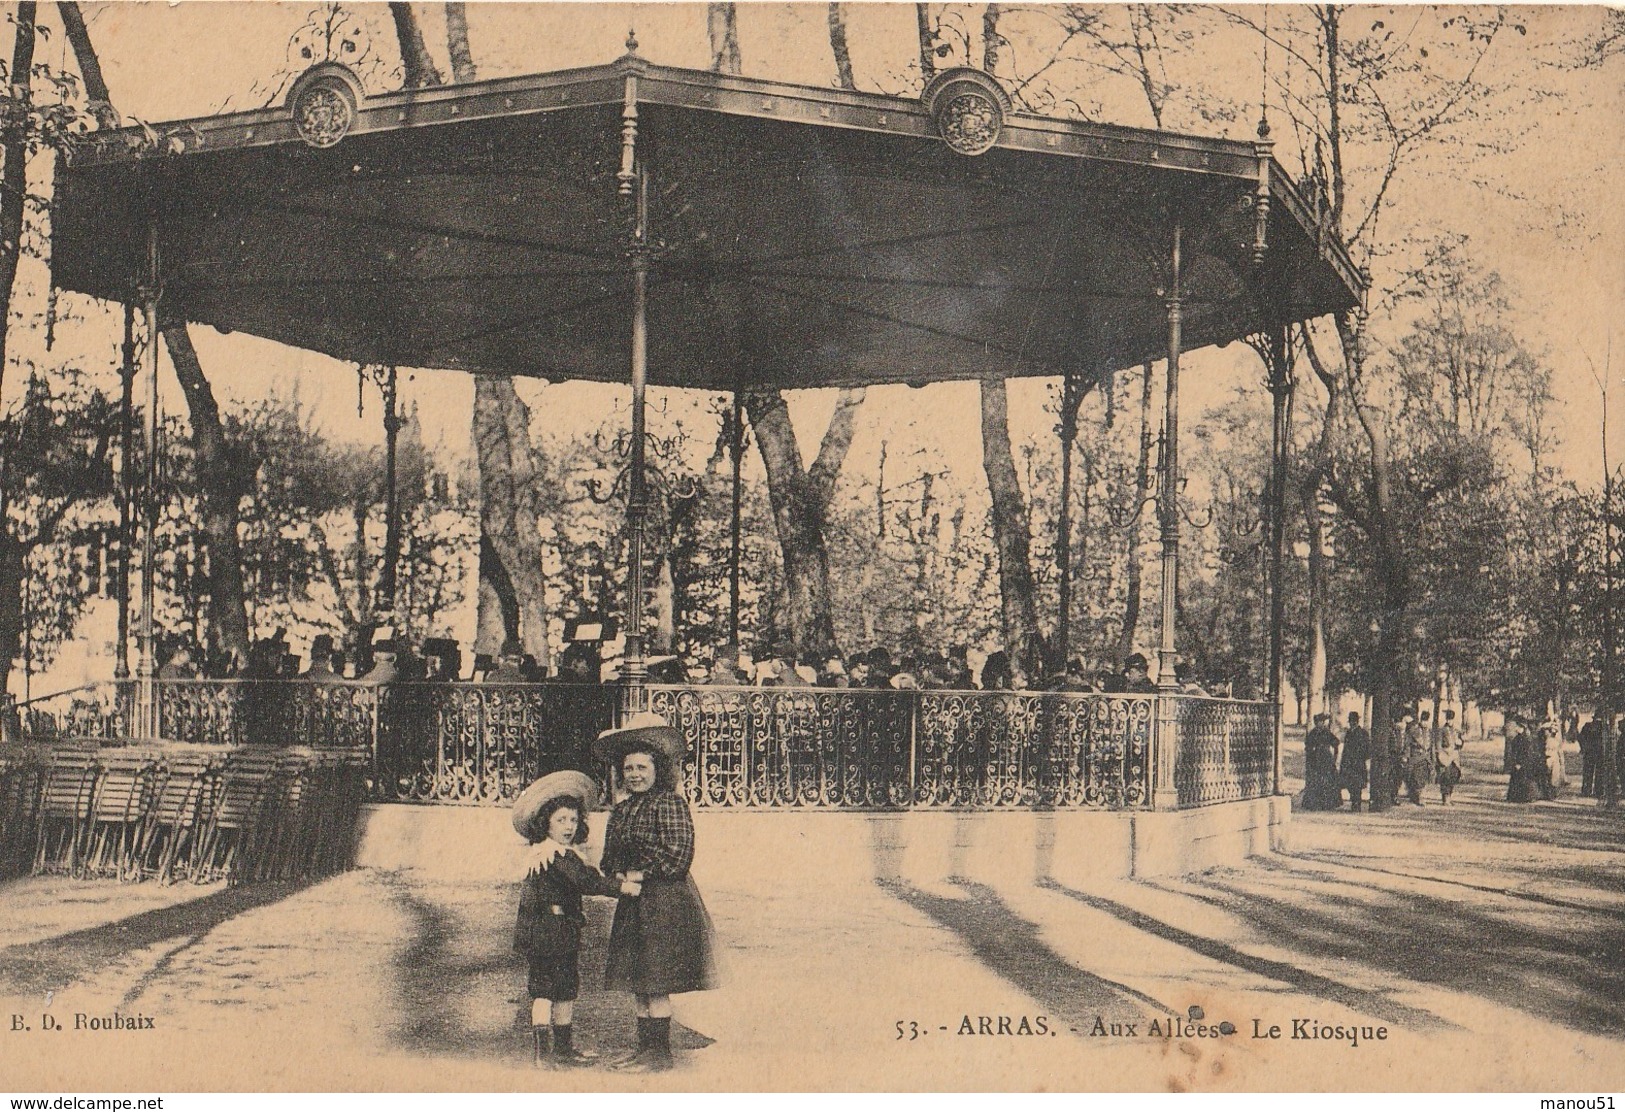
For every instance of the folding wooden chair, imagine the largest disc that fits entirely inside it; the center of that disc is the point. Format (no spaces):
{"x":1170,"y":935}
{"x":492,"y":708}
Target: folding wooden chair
{"x":180,"y":809}
{"x":245,"y":783}
{"x":123,"y":798}
{"x":64,"y":808}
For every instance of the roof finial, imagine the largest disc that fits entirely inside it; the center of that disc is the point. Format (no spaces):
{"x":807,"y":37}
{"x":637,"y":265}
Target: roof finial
{"x":632,"y":40}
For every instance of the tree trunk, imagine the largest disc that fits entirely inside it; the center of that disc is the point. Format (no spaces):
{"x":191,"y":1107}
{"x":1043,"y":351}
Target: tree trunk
{"x":508,"y":522}
{"x":420,"y":68}
{"x":1142,"y":487}
{"x":99,"y":100}
{"x":462,"y":59}
{"x":1394,"y":588}
{"x":13,"y":570}
{"x":511,"y":603}
{"x":1309,"y":493}
{"x":664,"y":639}
{"x":990,"y":37}
{"x":1022,"y":639}
{"x":800,"y":501}
{"x":838,"y":47}
{"x":14,"y":171}
{"x":928,"y":62}
{"x":221,"y":483}
{"x":722,"y":22}
{"x":800,"y":497}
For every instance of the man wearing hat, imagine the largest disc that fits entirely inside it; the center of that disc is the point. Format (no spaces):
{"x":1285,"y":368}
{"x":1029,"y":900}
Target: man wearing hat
{"x":1137,"y":676}
{"x":551,"y":816}
{"x":511,"y":668}
{"x":660,"y":944}
{"x":321,"y":661}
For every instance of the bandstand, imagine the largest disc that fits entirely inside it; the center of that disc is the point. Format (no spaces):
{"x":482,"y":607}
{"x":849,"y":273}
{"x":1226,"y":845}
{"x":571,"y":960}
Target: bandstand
{"x":640,"y":224}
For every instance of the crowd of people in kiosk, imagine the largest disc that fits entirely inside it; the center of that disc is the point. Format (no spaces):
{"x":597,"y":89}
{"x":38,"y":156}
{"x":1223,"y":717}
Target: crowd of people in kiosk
{"x":386,"y":659}
{"x":1423,"y":755}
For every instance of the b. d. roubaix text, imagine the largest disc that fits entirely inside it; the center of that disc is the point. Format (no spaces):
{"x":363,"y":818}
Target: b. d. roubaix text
{"x":83,"y":1021}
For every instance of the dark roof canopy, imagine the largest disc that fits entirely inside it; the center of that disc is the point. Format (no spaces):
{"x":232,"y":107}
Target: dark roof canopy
{"x":803,"y":236}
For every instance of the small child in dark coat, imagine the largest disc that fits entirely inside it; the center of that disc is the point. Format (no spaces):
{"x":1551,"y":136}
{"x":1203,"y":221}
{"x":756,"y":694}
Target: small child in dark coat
{"x":548,"y":930}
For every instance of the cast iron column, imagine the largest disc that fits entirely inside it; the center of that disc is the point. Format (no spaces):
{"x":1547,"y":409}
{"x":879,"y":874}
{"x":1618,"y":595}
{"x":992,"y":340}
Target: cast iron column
{"x":121,"y":655}
{"x":735,"y":541}
{"x":635,"y":672}
{"x":392,"y":504}
{"x":1168,"y":654}
{"x":1281,"y":389}
{"x":1164,"y":790}
{"x":146,"y":717}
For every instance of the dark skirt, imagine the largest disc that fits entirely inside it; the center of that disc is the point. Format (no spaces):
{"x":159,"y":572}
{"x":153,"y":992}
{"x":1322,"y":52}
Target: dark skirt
{"x":660,"y":942}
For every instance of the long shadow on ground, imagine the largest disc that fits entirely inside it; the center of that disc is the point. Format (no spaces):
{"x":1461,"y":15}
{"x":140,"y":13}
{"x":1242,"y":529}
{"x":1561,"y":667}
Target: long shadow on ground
{"x":1011,"y":947}
{"x":1569,"y":968}
{"x":1366,"y":1001}
{"x":448,"y":958}
{"x":52,"y":964}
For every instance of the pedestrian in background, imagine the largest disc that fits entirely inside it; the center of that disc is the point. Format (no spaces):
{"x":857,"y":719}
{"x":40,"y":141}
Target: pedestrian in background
{"x":1447,"y":745}
{"x":1320,"y":791}
{"x":1351,"y":770}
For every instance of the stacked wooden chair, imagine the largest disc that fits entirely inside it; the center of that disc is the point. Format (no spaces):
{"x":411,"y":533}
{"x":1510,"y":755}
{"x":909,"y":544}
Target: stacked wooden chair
{"x":126,"y":787}
{"x":174,"y":824}
{"x":65,"y":807}
{"x":241,"y":814}
{"x":251,"y":813}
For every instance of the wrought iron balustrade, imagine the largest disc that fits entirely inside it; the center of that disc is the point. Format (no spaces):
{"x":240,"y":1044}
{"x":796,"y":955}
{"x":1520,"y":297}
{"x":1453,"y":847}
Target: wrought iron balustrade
{"x":1224,"y":750}
{"x":483,"y":742}
{"x":1014,"y":749}
{"x":846,"y":748}
{"x":267,"y":712}
{"x":791,"y":746}
{"x":95,"y":710}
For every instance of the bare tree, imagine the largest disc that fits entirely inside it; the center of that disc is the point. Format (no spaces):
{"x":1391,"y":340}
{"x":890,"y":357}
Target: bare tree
{"x":421,"y":71}
{"x":221,"y":484}
{"x":1365,"y":101}
{"x":512,"y":602}
{"x":800,"y":496}
{"x":1023,"y":639}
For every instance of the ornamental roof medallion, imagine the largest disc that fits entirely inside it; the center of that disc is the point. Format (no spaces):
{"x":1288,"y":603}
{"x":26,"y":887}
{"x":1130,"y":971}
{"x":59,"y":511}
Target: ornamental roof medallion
{"x":969,"y":108}
{"x":323,"y":102}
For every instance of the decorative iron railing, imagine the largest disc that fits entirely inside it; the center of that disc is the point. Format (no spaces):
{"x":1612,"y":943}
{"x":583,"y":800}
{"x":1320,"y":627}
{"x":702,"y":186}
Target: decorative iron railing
{"x":483,"y":742}
{"x":997,"y":749}
{"x":96,"y":710}
{"x":792,"y":746}
{"x":748,"y":747}
{"x":268,"y":712}
{"x":810,"y":747}
{"x":1224,"y":750}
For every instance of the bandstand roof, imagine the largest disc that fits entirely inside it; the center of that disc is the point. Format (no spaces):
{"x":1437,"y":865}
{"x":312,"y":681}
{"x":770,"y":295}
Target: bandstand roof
{"x":803,"y":236}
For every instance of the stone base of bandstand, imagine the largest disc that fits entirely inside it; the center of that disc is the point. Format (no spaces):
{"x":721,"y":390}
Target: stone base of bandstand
{"x":919,"y":848}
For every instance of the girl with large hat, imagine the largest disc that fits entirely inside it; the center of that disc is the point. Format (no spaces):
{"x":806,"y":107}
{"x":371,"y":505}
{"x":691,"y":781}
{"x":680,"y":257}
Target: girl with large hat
{"x":552,"y":816}
{"x":660,"y":943}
